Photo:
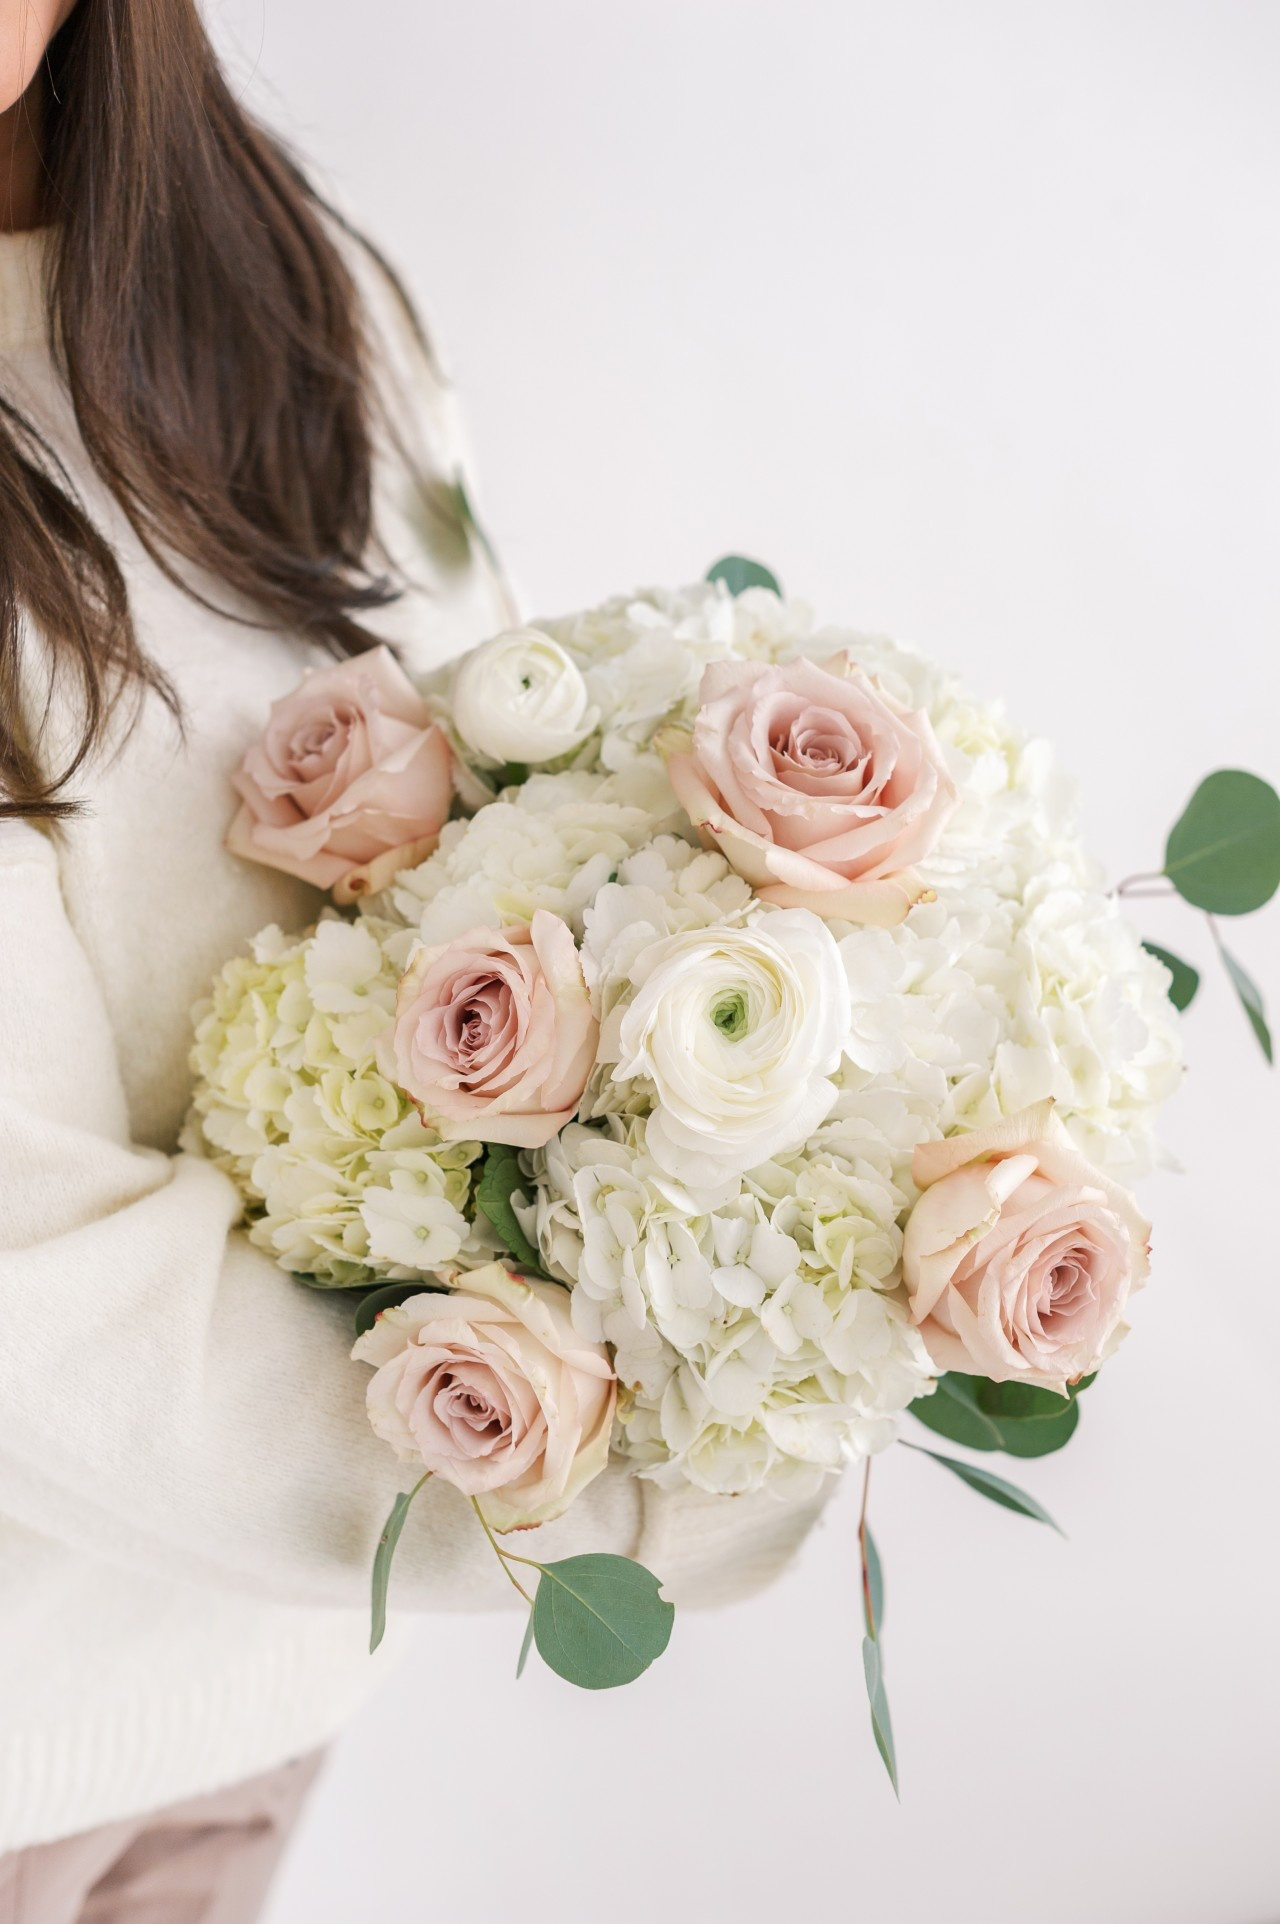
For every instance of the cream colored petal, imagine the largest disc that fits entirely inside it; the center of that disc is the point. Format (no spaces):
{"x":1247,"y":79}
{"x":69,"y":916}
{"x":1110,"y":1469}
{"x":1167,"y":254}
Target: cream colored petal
{"x":934,"y":1160}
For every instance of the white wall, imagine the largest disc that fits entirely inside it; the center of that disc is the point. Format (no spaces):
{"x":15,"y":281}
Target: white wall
{"x":965,"y":318}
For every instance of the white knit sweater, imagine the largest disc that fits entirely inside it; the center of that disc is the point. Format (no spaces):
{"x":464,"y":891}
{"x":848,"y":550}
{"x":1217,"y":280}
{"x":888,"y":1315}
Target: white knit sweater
{"x":189,"y":1489}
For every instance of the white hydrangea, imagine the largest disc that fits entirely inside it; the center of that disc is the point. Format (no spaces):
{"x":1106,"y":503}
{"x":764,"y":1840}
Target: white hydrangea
{"x":551,"y":844}
{"x":343,"y":1182}
{"x":757,"y":1334}
{"x":1091,"y":1023}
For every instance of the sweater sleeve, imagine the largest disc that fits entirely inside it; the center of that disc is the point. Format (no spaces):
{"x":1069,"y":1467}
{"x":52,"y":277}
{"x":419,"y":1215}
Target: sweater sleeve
{"x":171,"y":1399}
{"x":168,"y":1396}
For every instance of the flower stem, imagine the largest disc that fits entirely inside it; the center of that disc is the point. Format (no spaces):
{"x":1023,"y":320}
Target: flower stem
{"x":503,"y":1556}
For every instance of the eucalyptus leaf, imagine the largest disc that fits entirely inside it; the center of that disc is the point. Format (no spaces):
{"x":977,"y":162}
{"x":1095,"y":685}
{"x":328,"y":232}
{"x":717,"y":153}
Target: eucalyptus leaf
{"x":881,"y":1727}
{"x":599,"y":1621}
{"x":1223,"y":852}
{"x":444,"y":522}
{"x":1251,"y":1001}
{"x":1018,"y":1418}
{"x":1032,"y":1421}
{"x":1185,"y":980}
{"x":383,"y":1558}
{"x":875,"y":1584}
{"x":474,"y":527}
{"x":525,"y":1647}
{"x":1040,"y":1435}
{"x":501,"y":1175}
{"x":370,"y":1307}
{"x":993,"y":1487}
{"x":952,"y":1411}
{"x":738,"y":573}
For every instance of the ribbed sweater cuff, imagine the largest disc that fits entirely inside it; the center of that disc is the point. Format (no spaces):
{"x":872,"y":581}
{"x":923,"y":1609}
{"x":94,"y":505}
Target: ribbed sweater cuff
{"x":123,"y":1756}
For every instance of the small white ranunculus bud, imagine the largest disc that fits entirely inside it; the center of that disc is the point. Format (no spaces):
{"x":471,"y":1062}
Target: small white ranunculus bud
{"x":520,"y":698}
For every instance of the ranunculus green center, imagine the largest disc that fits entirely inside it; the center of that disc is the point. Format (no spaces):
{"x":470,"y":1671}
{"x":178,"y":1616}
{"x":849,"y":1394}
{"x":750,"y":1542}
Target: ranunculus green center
{"x":730,"y":1014}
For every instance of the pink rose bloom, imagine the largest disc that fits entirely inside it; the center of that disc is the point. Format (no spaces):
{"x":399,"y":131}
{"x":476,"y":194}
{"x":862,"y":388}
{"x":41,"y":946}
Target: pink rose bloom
{"x":494,"y":1037}
{"x":492,"y":1388}
{"x":351,"y":782}
{"x":818,"y":789}
{"x":1019,"y":1257}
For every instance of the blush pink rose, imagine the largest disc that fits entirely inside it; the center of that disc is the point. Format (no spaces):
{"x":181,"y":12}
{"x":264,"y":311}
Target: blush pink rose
{"x":491,"y":1387}
{"x":817,"y":788}
{"x":351,"y":782}
{"x":494,"y":1037}
{"x":1020,"y":1256}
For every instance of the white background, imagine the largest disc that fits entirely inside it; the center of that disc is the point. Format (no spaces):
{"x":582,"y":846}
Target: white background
{"x":965,"y":319}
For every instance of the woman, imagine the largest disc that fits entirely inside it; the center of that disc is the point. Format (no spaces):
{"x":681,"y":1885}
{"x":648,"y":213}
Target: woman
{"x":225,"y":453}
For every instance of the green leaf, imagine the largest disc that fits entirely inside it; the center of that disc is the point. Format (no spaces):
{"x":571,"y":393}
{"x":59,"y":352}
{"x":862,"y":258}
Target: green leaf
{"x":599,"y":1621}
{"x":382,"y":1561}
{"x":1018,"y":1418}
{"x":952,"y":1411}
{"x":510,"y":775}
{"x":875,"y":1584}
{"x":493,"y":1200}
{"x":525,"y":1647}
{"x":986,"y":1484}
{"x":881,"y":1728}
{"x":370,"y":1307}
{"x":1251,"y":1000}
{"x":738,"y":573}
{"x":1223,"y":852}
{"x":1032,"y":1421}
{"x":1186,"y":980}
{"x":1040,"y":1435}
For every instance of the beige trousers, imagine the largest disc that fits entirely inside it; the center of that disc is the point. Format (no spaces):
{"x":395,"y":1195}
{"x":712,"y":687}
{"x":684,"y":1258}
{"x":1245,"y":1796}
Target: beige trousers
{"x":208,"y":1861}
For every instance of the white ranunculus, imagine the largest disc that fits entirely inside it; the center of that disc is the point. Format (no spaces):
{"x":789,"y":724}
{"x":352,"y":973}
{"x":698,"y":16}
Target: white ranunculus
{"x":738,"y":1030}
{"x":520,"y":698}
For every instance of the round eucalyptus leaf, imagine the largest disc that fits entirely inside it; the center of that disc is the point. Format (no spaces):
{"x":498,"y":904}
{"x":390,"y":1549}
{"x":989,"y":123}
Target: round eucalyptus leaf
{"x":738,"y":573}
{"x":1223,"y":852}
{"x":599,"y":1621}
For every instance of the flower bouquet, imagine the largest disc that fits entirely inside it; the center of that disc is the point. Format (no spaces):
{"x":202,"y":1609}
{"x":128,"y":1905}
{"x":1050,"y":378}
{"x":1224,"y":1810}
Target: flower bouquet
{"x":724,"y":1050}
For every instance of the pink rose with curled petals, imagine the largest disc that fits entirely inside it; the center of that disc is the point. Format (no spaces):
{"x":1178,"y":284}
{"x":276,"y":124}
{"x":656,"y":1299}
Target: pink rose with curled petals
{"x":1020,"y":1256}
{"x":491,"y":1387}
{"x":816,"y":787}
{"x":494,"y":1037}
{"x":351,"y":782}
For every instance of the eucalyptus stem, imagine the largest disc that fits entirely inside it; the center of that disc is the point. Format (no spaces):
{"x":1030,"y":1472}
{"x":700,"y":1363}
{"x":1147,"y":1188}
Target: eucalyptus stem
{"x":505,"y":1558}
{"x":1132,"y":886}
{"x":862,"y":1550}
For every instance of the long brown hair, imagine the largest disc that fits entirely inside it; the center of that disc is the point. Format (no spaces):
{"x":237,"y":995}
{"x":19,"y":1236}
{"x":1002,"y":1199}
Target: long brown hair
{"x":209,"y":332}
